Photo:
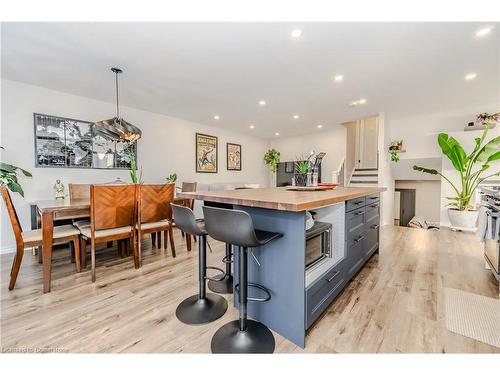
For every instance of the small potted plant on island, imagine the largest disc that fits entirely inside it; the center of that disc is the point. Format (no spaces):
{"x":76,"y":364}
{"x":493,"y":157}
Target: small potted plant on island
{"x":471,"y":168}
{"x":301,"y":170}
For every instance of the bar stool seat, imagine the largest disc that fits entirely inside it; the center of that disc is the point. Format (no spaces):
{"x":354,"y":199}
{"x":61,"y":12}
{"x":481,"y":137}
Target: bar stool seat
{"x":203,"y":307}
{"x":242,"y":335}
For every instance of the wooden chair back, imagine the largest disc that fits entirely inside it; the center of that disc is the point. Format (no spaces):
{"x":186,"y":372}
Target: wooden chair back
{"x":189,"y":187}
{"x":112,"y":206}
{"x":79,"y":191}
{"x":154,"y":202}
{"x":14,"y":220}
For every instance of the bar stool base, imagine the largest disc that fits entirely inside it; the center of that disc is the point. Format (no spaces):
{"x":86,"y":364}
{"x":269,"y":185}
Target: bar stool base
{"x":256,"y":339}
{"x":224,"y":286}
{"x":194,"y":310}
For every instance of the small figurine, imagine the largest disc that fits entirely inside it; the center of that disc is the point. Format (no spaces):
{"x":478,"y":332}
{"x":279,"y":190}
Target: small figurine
{"x":59,"y":189}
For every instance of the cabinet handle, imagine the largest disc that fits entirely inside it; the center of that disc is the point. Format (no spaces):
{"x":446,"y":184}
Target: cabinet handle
{"x":373,"y":197}
{"x":358,"y":202}
{"x":374,"y":205}
{"x":359,"y":213}
{"x":359,"y":239}
{"x":375,"y":226}
{"x":333,"y":277}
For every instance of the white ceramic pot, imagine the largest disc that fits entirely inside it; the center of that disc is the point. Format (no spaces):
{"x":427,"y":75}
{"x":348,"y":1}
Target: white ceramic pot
{"x":465,"y":220}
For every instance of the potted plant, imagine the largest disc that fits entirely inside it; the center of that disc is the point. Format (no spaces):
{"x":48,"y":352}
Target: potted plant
{"x":272,"y":158}
{"x":172,"y":178}
{"x":394,"y":156}
{"x":9,"y":177}
{"x":301,"y":170}
{"x":472,"y":170}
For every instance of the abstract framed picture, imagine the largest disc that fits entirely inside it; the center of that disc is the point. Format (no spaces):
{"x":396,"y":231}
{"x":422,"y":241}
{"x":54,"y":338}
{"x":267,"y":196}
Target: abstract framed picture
{"x":233,"y":153}
{"x":206,"y":153}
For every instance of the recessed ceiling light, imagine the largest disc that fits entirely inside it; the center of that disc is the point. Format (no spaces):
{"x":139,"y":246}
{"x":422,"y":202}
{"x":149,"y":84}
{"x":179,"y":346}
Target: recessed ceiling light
{"x":484,"y":31}
{"x":319,"y":126}
{"x":276,"y":133}
{"x":297,"y":33}
{"x":357,"y":102}
{"x":296,"y":117}
{"x":252,"y":126}
{"x":470,"y":76}
{"x":338,"y":78}
{"x":262,"y":103}
{"x":216,"y":117}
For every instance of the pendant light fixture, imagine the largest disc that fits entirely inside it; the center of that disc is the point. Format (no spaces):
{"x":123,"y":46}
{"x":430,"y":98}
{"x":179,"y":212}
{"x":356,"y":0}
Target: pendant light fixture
{"x":117,"y":128}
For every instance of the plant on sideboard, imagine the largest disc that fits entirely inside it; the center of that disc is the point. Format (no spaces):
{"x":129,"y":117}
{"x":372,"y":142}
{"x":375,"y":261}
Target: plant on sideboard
{"x":471,"y":168}
{"x":9,"y":176}
{"x":272,"y":158}
{"x":172,"y":178}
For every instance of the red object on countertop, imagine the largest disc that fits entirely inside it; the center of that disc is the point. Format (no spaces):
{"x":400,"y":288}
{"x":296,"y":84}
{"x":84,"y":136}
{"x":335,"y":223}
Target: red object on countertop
{"x":327,"y":184}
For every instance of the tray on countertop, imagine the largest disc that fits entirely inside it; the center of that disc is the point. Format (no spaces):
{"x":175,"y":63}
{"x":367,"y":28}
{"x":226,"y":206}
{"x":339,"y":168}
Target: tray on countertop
{"x":311,"y":188}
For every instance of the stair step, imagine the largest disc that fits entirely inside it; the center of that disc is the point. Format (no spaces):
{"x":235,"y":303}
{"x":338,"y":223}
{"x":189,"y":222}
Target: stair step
{"x":365,"y":175}
{"x":364,"y":182}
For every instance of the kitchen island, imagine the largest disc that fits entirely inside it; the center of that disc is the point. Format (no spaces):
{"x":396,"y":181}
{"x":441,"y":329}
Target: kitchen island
{"x":300,"y":295}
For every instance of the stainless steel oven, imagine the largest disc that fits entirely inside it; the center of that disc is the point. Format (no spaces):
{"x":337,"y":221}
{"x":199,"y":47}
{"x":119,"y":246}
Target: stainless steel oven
{"x":318,"y":243}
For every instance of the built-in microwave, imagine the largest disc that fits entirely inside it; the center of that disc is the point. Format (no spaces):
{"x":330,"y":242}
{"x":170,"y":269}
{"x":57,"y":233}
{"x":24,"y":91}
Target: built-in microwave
{"x":318,"y":243}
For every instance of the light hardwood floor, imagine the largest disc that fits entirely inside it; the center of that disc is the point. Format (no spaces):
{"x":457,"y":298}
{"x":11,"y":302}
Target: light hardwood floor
{"x":394,"y":305}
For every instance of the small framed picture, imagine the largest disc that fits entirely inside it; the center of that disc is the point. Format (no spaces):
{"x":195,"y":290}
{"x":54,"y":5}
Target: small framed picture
{"x":233,"y":151}
{"x":206,"y":153}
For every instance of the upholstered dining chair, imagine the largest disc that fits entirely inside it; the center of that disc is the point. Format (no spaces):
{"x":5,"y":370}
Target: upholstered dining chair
{"x":113,"y":213}
{"x":33,"y":238}
{"x":155,"y":213}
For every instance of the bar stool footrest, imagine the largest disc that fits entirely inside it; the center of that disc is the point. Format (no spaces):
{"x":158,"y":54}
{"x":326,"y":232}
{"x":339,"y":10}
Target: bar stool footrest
{"x":212,"y":278}
{"x":258,"y":286}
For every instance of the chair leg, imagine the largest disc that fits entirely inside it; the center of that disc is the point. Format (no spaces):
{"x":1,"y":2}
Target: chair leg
{"x":76,"y":246}
{"x":153,"y":239}
{"x":188,"y":242}
{"x":137,"y":261}
{"x":92,"y":258}
{"x":194,"y":238}
{"x":16,"y":265}
{"x":72,"y":251}
{"x":172,"y":242}
{"x":139,"y":249}
{"x":158,"y":238}
{"x":83,"y":252}
{"x":109,"y":244}
{"x":165,"y":239}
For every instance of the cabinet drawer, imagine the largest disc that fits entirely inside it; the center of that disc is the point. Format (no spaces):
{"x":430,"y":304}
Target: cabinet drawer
{"x":370,"y":242}
{"x":320,"y":294}
{"x":373,"y":198}
{"x":372,"y":214}
{"x":354,"y":259}
{"x":354,"y":224}
{"x":354,"y":203}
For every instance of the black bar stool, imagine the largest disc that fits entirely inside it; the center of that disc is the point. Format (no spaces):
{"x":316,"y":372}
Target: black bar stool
{"x":224,"y":284}
{"x":203,"y":307}
{"x":242,"y":335}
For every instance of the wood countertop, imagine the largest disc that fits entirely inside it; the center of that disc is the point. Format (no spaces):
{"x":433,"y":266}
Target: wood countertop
{"x":281,"y":199}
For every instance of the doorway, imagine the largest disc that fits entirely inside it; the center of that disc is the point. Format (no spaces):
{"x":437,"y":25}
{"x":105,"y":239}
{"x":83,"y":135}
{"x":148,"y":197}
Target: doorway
{"x":404,"y":205}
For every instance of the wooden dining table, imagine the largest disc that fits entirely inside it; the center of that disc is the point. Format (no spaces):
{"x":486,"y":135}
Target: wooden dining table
{"x":49,"y":211}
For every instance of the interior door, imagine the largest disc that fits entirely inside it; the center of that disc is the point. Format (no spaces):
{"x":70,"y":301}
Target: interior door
{"x":406,"y":206}
{"x":368,"y":143}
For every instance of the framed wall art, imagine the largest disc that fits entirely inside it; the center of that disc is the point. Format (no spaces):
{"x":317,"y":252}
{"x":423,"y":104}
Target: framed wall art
{"x":68,"y":143}
{"x":233,"y":152}
{"x":206,"y":153}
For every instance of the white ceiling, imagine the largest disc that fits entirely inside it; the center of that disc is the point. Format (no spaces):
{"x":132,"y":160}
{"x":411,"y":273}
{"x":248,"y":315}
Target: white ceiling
{"x":197,"y":70}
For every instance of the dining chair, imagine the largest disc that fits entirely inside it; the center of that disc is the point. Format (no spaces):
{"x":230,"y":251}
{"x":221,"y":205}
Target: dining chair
{"x":33,"y":238}
{"x":113,"y":213}
{"x":155,"y":213}
{"x":79,"y":191}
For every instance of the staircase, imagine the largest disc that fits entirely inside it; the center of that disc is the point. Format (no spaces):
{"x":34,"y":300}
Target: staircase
{"x":364,"y":177}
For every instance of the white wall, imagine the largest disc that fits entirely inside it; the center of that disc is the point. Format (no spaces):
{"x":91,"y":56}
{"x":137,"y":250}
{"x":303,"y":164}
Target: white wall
{"x":419,"y":134}
{"x":167,"y":146}
{"x":332,"y":141}
{"x":427,"y":198}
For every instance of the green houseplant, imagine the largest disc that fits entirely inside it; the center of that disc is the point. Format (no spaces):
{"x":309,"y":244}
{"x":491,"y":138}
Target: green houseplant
{"x":9,"y":176}
{"x":471,"y":168}
{"x":172,"y":178}
{"x":272,"y":158}
{"x":301,"y":170}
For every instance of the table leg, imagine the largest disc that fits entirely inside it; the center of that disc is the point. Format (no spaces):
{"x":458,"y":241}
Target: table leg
{"x":39,"y":225}
{"x":47,"y":238}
